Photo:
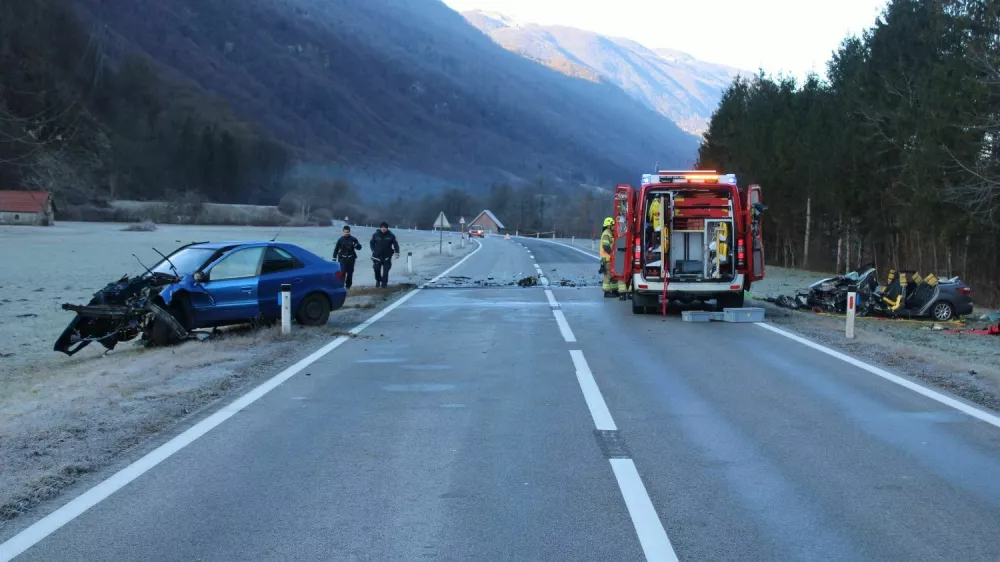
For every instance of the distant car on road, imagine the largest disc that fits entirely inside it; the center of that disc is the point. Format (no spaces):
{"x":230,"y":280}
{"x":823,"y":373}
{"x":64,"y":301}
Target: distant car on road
{"x":206,"y":285}
{"x":476,"y":230}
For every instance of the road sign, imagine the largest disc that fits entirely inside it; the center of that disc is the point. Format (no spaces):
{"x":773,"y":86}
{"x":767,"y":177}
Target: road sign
{"x":442,"y":221}
{"x":461,"y":220}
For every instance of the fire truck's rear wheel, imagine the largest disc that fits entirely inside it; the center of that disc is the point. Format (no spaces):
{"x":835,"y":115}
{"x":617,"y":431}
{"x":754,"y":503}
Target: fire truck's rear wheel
{"x":640,"y":305}
{"x":729,"y":300}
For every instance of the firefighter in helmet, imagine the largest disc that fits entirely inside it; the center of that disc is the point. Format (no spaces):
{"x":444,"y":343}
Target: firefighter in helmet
{"x":607,"y":246}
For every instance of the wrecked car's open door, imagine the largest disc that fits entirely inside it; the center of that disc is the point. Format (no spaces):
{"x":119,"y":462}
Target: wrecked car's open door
{"x":755,"y":238}
{"x":622,"y":213}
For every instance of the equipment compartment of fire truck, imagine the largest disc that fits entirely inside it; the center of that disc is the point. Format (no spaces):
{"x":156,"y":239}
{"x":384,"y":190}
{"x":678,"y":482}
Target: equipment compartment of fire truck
{"x":690,"y":233}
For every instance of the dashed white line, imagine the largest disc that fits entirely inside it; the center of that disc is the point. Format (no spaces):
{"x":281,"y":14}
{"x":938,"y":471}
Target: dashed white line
{"x":584,"y":252}
{"x":919,"y":389}
{"x":652,"y":536}
{"x":648,"y":527}
{"x":536,"y":265}
{"x":552,"y":299}
{"x":595,"y":401}
{"x":76,"y":507}
{"x":564,"y":329}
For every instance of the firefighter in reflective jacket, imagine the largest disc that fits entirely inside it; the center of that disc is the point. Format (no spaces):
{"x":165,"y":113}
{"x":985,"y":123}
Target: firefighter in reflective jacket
{"x":607,"y":246}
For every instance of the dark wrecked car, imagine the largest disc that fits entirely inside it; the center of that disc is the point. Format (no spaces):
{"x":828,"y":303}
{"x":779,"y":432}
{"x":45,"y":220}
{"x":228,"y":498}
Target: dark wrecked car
{"x":905,"y":295}
{"x":205,"y":285}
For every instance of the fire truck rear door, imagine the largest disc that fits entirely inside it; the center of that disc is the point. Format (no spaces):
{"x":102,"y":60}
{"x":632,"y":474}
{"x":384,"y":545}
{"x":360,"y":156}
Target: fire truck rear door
{"x":622,"y":212}
{"x":755,"y":237}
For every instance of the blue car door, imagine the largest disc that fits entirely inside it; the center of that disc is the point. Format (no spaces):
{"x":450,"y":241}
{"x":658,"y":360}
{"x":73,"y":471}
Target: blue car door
{"x":279,"y":267}
{"x":232,"y":284}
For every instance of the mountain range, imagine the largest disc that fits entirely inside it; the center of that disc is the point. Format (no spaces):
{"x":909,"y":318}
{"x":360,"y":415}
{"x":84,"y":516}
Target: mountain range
{"x":397,"y":96}
{"x":675,"y":84}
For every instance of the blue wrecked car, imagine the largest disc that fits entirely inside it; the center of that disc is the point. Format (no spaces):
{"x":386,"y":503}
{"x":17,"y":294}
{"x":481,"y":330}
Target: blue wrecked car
{"x":207,"y":285}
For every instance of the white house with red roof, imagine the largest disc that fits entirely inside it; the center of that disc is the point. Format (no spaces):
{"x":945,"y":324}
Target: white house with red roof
{"x":33,"y":208}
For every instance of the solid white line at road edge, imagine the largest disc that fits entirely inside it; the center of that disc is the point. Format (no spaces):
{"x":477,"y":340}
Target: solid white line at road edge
{"x":652,"y":536}
{"x":919,"y":389}
{"x":591,"y":394}
{"x":76,"y":507}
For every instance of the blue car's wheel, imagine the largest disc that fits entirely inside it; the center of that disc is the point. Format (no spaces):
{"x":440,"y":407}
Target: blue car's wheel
{"x":314,"y":310}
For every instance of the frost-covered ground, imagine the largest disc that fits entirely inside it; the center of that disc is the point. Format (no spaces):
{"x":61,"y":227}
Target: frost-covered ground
{"x":64,"y":417}
{"x":967,"y":365}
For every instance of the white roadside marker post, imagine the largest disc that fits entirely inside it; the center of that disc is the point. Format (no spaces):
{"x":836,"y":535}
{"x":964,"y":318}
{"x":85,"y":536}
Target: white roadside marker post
{"x":409,"y":263}
{"x":286,"y":309}
{"x":852,"y":302}
{"x":449,"y":248}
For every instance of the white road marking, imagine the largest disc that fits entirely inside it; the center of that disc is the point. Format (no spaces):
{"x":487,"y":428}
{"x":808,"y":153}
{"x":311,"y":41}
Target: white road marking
{"x":648,"y":527}
{"x":595,"y":401}
{"x":73,"y":509}
{"x":564,"y":329}
{"x":919,"y":389}
{"x":536,"y":266}
{"x":545,"y":281}
{"x":584,"y":252}
{"x":652,"y":536}
{"x":552,"y":299}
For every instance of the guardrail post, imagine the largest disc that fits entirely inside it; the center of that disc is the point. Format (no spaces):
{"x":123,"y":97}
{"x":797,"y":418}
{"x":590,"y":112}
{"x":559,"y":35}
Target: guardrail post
{"x":286,"y":308}
{"x":852,"y":304}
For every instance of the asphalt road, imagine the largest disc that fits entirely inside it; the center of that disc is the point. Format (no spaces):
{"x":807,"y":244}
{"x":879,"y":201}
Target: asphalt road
{"x":506,"y":423}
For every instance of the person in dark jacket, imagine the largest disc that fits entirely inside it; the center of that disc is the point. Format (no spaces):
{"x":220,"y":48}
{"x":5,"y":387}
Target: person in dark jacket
{"x":346,"y":253}
{"x":384,"y":247}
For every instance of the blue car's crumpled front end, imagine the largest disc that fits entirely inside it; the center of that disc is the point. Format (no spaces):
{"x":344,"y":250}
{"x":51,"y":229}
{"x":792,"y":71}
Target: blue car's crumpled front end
{"x":119,"y":312}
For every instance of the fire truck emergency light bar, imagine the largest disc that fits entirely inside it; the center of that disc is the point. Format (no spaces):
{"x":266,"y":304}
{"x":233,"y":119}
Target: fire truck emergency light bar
{"x":691,"y":176}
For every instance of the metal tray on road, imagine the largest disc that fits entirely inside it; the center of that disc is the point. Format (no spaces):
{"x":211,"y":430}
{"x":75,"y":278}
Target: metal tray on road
{"x":743,"y":314}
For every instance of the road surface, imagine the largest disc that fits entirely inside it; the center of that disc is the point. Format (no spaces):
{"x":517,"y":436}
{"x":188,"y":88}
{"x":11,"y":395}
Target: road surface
{"x":483,"y":421}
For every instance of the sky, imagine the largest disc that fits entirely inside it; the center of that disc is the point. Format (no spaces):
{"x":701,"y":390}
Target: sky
{"x":789,"y":36}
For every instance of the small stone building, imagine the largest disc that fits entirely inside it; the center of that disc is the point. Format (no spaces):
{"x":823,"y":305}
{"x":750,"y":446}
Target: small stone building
{"x":488,"y":221}
{"x":31,"y":208}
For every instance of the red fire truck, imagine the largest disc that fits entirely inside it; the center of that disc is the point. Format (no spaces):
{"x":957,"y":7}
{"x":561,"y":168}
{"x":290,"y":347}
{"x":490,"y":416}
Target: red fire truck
{"x":685,"y":236}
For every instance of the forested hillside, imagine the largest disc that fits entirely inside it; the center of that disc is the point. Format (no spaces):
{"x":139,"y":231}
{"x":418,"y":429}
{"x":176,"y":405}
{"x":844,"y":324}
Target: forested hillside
{"x":87,"y":120}
{"x":245,"y":101}
{"x":398,"y":96}
{"x":895,"y":160}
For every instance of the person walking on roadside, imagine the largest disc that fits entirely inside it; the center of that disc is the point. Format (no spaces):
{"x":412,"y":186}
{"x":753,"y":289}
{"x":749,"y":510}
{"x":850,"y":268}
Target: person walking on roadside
{"x":384,"y":247}
{"x":346,"y":254}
